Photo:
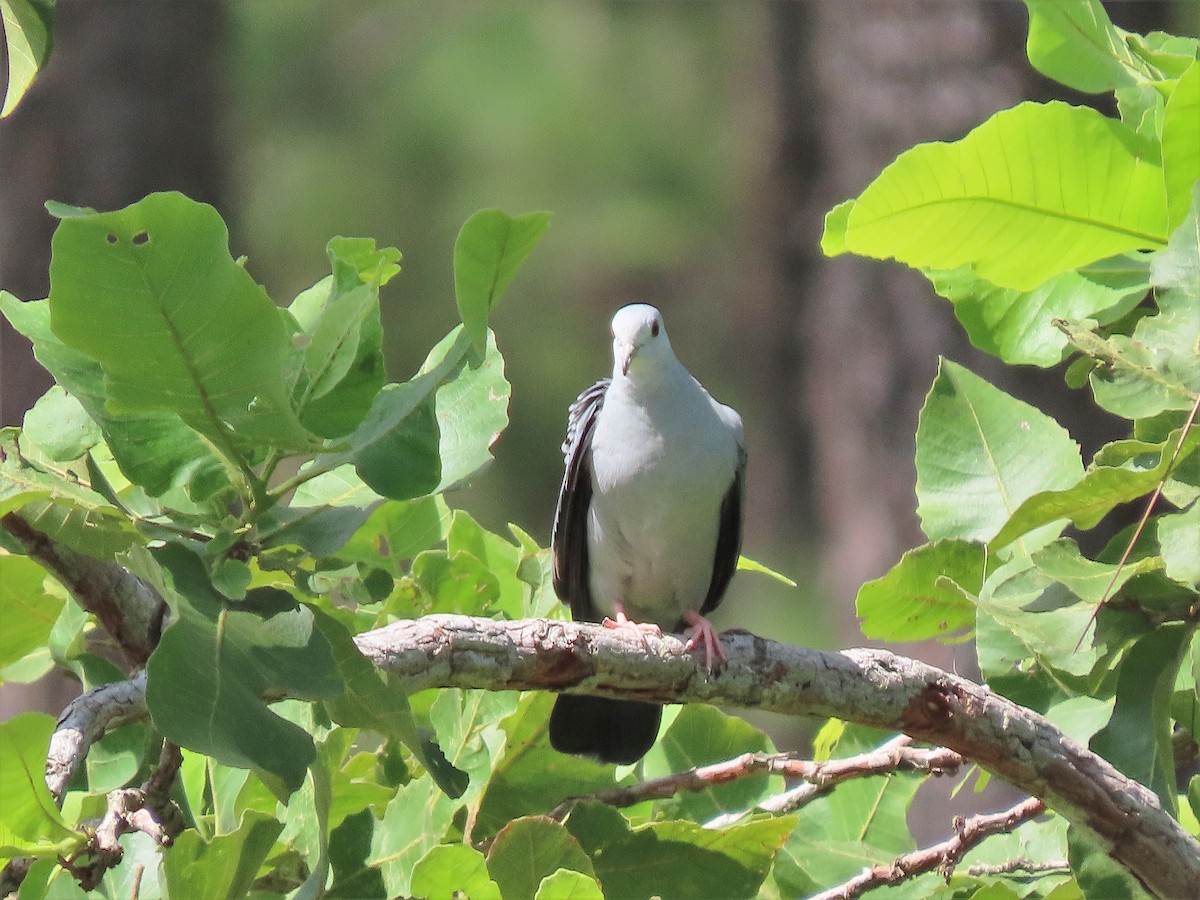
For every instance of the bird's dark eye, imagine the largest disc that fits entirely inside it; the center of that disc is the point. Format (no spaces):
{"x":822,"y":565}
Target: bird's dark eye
{"x":654,"y":328}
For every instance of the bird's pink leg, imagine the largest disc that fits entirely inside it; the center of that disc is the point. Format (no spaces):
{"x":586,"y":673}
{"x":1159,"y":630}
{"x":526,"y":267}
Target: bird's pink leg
{"x":622,"y":621}
{"x":704,"y":635}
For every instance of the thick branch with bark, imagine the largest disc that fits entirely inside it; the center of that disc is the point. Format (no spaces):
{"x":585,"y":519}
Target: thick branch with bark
{"x":871,"y":687}
{"x":129,"y":609}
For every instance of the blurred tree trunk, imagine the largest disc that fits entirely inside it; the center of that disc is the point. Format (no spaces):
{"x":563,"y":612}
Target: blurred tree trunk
{"x":128,"y":105}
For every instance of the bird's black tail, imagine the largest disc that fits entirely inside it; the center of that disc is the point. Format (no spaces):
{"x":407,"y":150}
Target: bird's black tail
{"x":614,"y":731}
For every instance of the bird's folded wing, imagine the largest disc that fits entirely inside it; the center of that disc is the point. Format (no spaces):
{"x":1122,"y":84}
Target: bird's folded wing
{"x":569,"y":544}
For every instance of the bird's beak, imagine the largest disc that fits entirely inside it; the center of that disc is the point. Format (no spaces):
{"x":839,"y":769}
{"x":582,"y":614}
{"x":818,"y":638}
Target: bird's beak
{"x":625,"y":356}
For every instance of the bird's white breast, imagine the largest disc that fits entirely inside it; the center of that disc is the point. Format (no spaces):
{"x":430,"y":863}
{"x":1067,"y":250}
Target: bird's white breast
{"x":663,"y":460}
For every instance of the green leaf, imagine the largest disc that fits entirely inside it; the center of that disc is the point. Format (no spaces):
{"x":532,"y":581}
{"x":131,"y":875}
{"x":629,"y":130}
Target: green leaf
{"x":472,"y":411}
{"x":453,"y":870}
{"x":1018,"y":326}
{"x":699,"y":736}
{"x":323,"y":514}
{"x":529,"y":849}
{"x":343,"y":367}
{"x":397,"y":531}
{"x":566,"y":884}
{"x":1045,"y":619}
{"x":218,"y":659}
{"x":1035,"y":191}
{"x":1098,"y":875}
{"x":1137,"y":739}
{"x":1076,"y":44}
{"x":369,"y":700}
{"x":29,"y":36}
{"x":980,"y":453}
{"x":1101,"y":490}
{"x":152,"y":449}
{"x":530,"y":776}
{"x":490,"y":248}
{"x":415,"y":821}
{"x":60,"y":427}
{"x":1158,"y":367}
{"x":224,"y":867}
{"x":833,"y":239}
{"x":678,"y":859}
{"x":468,"y":729}
{"x":1180,"y":148}
{"x":26,"y":609}
{"x":927,"y":594}
{"x":746,"y":564}
{"x":30,"y":823}
{"x":1179,"y":540}
{"x":500,"y":559}
{"x":1090,"y":581}
{"x":210,"y":344}
{"x":349,"y":847}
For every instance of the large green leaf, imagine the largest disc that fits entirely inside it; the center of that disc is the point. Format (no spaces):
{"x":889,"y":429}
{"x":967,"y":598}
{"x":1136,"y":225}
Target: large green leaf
{"x":490,"y":248}
{"x":224,"y":867}
{"x":153,"y":294}
{"x":1035,"y":191}
{"x":1158,"y":367}
{"x":29,"y":36}
{"x":342,"y":368}
{"x":452,"y":870}
{"x":1100,"y":491}
{"x":26,"y":609}
{"x":1137,"y":739}
{"x":980,"y":453}
{"x":60,"y":427}
{"x":529,"y":849}
{"x":30,"y":823}
{"x":1074,"y":42}
{"x":1180,"y":146}
{"x":434,"y":432}
{"x":1098,"y":875}
{"x":397,"y":531}
{"x":218,"y":660}
{"x":530,"y":776}
{"x":1018,"y":326}
{"x":151,"y":448}
{"x":926,"y":594}
{"x":1179,"y":540}
{"x":416,"y":820}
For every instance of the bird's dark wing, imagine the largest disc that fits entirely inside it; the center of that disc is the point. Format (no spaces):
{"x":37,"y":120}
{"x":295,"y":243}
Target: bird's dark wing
{"x":569,"y":544}
{"x":729,"y":538}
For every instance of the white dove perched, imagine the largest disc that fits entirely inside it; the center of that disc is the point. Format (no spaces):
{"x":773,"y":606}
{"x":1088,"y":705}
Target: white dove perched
{"x":649,"y":521}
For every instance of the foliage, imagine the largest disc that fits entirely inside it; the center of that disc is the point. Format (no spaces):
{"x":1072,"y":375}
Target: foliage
{"x":254,"y":464}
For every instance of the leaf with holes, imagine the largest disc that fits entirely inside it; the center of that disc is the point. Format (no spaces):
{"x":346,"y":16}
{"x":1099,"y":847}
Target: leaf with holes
{"x":152,"y":293}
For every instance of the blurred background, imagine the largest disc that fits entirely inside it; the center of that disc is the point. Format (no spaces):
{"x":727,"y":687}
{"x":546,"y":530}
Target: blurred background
{"x":688,"y":151}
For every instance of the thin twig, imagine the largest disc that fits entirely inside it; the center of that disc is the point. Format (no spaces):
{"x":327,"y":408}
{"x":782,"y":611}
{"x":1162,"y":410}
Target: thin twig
{"x":941,"y":857}
{"x":1141,"y":525}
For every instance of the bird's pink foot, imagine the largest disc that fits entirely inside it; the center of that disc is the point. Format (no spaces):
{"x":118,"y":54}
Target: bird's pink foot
{"x":705,"y":636}
{"x":642,"y":629}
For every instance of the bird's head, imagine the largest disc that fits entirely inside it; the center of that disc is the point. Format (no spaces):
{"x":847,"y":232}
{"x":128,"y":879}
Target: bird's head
{"x":638,"y":333}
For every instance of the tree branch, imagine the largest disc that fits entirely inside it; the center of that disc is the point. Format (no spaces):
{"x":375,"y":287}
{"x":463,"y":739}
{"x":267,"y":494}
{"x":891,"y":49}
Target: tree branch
{"x":871,"y":687}
{"x":129,"y":609}
{"x":894,"y":756}
{"x":941,"y":857}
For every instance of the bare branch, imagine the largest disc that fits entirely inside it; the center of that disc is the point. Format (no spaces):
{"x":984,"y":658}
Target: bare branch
{"x":941,"y":857}
{"x":871,"y":687}
{"x":148,"y":809}
{"x":894,"y":756}
{"x":85,"y":721}
{"x":129,"y":609}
